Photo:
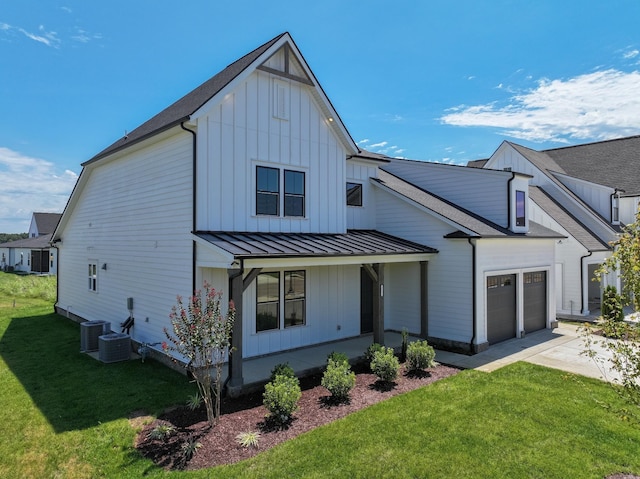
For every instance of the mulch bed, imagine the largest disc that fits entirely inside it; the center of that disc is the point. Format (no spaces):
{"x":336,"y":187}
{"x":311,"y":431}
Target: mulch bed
{"x":245,"y":414}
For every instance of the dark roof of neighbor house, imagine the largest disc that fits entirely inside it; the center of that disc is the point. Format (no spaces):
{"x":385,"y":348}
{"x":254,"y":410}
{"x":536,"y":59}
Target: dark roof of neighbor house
{"x":188,"y":104}
{"x":39,"y":242}
{"x":613,"y":163}
{"x":46,"y":222}
{"x":477,"y":163}
{"x":569,"y":222}
{"x":481,"y":227}
{"x":283,"y":245}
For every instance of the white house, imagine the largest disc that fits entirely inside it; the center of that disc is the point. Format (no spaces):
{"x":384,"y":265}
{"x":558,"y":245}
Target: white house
{"x":585,"y":192}
{"x":252,"y":183}
{"x":33,"y":254}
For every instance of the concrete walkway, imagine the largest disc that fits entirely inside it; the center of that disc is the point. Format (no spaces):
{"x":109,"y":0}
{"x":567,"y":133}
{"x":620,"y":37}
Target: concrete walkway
{"x":559,"y":348}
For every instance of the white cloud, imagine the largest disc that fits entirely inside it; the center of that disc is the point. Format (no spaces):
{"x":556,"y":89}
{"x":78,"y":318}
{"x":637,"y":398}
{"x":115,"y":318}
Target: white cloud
{"x":50,"y":39}
{"x":363,"y":142}
{"x":66,"y":9}
{"x":630,"y":54}
{"x":30,"y":184}
{"x":595,"y":106}
{"x":381,"y":144}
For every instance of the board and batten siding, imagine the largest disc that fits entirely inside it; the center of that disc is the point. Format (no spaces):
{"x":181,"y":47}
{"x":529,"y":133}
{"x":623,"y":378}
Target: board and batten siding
{"x":496,"y":256}
{"x":241,"y":132}
{"x":596,"y":196}
{"x":134,"y":215}
{"x":361,"y":217}
{"x":332,"y":312}
{"x":450,"y":302}
{"x":482,"y":191}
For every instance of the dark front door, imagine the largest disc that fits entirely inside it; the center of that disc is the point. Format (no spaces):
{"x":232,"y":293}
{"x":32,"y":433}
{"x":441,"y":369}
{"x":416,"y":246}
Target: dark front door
{"x":40,"y":261}
{"x":366,"y":302}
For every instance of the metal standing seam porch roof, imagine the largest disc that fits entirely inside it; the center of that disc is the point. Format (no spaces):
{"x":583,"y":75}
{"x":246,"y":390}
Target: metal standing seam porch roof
{"x":286,"y":245}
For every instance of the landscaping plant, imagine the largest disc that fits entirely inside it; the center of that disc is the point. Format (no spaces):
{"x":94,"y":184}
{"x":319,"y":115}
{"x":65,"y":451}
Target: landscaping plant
{"x":281,"y":398}
{"x":338,"y":357}
{"x":282,"y":369}
{"x":612,"y":306}
{"x":202,"y":335}
{"x":339,"y":379}
{"x":420,"y":355}
{"x":371,"y":350}
{"x":385,"y":364}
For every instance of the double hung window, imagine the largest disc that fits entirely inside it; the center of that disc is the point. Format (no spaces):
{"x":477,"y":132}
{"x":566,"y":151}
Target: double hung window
{"x":268,"y":195}
{"x":273,"y":303}
{"x":520,"y":209}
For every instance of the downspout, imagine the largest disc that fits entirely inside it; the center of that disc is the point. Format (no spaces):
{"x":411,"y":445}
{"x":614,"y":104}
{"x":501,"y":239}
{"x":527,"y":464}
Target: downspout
{"x":513,"y":175}
{"x":582,"y":258}
{"x":474,"y":319}
{"x":53,"y":245}
{"x":193,"y":207}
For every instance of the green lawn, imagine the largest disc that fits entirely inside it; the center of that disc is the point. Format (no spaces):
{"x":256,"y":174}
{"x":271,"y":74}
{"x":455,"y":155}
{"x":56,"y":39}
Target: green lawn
{"x":65,"y":415}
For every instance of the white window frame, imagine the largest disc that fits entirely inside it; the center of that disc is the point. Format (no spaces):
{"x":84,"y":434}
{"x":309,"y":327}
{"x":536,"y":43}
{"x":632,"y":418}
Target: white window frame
{"x":92,"y":276}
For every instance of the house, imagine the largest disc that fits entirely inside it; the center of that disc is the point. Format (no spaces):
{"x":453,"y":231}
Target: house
{"x":33,"y":254}
{"x":252,"y":183}
{"x":585,"y":192}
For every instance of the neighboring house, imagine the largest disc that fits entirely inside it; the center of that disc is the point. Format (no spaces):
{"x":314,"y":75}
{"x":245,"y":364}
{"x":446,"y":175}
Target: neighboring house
{"x":585,"y":192}
{"x":252,"y":183}
{"x":33,"y":254}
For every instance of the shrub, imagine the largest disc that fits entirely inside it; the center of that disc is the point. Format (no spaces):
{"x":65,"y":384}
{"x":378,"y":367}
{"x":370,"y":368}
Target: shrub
{"x":248,"y":439}
{"x":338,"y":357}
{"x":339,"y":379}
{"x":612,"y":307}
{"x":420,"y":355}
{"x":385,"y":365}
{"x":194,"y":401}
{"x":282,"y":369}
{"x":281,"y":398}
{"x":405,"y":342}
{"x":161,"y":431}
{"x":371,"y":350}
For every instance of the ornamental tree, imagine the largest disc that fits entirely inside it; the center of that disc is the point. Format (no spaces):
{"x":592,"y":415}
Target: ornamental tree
{"x":202,"y":335}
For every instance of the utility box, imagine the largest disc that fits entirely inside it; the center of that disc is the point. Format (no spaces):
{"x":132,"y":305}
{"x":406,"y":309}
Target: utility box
{"x":90,"y":331}
{"x":114,"y":347}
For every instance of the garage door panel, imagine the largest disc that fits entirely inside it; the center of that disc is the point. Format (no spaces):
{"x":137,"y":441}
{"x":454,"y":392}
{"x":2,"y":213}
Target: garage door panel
{"x":535,"y":300}
{"x":501,"y":308}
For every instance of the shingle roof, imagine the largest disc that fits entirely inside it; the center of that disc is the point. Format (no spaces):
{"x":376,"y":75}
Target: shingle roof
{"x":282,"y":245}
{"x":479,"y":226}
{"x":46,"y":222}
{"x":574,"y":227}
{"x":39,"y":242}
{"x":613,"y":163}
{"x":188,"y":104}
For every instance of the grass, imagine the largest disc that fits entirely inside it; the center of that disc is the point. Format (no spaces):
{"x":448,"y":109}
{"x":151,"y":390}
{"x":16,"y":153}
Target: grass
{"x":65,"y":414}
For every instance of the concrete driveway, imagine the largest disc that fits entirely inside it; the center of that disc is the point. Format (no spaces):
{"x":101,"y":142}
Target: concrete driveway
{"x":559,"y":348}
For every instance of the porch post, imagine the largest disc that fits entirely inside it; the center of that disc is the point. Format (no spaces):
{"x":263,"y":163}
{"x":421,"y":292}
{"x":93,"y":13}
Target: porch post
{"x":235,"y":358}
{"x":424,"y":299}
{"x":378,"y":304}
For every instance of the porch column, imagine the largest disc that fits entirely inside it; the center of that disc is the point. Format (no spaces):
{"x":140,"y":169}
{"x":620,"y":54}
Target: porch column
{"x":424,"y":299}
{"x":236,"y":380}
{"x":378,"y":304}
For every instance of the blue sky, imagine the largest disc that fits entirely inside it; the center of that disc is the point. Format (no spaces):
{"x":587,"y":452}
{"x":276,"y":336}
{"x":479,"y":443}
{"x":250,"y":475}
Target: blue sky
{"x":434,"y":80}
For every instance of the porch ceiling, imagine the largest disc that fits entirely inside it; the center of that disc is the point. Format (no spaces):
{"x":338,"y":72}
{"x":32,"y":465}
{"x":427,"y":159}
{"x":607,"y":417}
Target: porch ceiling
{"x":352,"y":244}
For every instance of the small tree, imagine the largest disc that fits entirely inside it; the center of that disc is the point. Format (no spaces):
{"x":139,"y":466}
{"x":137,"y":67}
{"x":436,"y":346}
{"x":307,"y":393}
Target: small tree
{"x":202,"y":335}
{"x":622,"y":338}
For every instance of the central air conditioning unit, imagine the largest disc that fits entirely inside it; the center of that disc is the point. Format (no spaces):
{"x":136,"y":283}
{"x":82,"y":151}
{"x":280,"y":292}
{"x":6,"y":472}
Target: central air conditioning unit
{"x":90,"y":331}
{"x":114,"y":347}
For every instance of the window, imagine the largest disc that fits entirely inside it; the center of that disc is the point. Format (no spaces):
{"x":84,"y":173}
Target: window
{"x":294,"y":298}
{"x":293,"y":193}
{"x":520,"y":208}
{"x":93,"y":276}
{"x":354,"y":194}
{"x":615,"y":209}
{"x":268,"y":300}
{"x":267,"y":191}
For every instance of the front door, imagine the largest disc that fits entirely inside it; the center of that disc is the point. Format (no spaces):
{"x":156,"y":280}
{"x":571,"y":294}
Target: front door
{"x":366,"y":302}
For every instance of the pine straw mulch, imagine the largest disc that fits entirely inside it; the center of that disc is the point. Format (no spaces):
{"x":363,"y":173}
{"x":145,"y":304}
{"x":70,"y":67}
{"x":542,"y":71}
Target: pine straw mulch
{"x":247,"y":414}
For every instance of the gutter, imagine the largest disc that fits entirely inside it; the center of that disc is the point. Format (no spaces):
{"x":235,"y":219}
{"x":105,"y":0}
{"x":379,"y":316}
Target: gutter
{"x":193,"y":206}
{"x":582,"y":258}
{"x":474,"y":319}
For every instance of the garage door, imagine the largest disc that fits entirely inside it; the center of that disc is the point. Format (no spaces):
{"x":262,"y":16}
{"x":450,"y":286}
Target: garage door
{"x":501,"y":308}
{"x":535,"y":300}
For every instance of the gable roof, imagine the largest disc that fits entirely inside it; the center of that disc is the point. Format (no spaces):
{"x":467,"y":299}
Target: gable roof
{"x":475,"y":225}
{"x":570,"y":223}
{"x":46,"y":222}
{"x":613,"y":163}
{"x":182,"y":109}
{"x":39,"y":242}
